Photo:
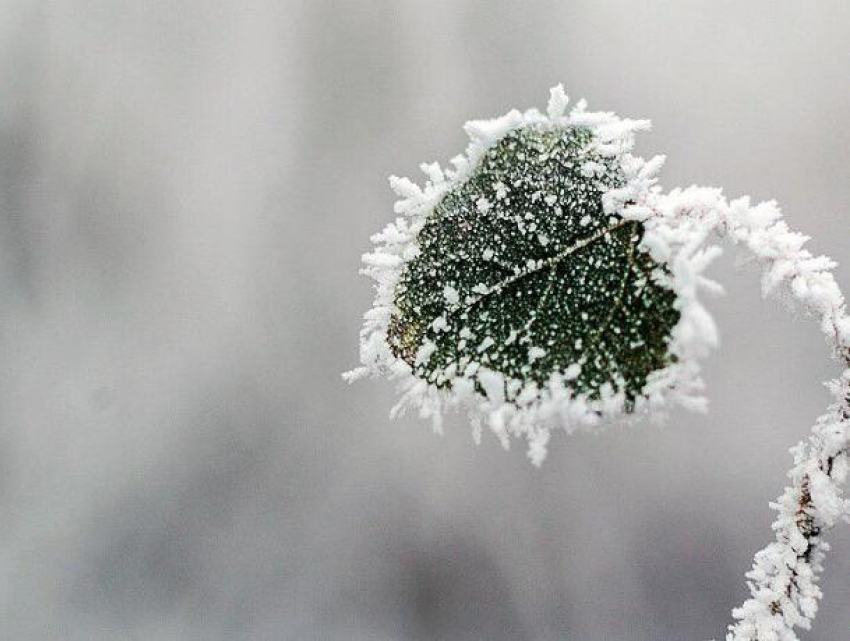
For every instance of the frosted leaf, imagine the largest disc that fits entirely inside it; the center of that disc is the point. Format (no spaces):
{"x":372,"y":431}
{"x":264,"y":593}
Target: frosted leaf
{"x":571,"y":283}
{"x":546,"y":262}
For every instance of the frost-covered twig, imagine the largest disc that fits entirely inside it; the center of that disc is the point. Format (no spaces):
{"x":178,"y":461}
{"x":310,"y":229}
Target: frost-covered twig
{"x":783,"y":581}
{"x":546,"y":281}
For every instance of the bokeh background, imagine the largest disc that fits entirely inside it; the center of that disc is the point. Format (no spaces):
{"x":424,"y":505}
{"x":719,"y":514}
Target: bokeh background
{"x":186,"y":188}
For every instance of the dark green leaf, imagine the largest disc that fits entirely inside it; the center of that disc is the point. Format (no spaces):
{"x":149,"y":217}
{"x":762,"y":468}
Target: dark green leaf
{"x":521,"y":271}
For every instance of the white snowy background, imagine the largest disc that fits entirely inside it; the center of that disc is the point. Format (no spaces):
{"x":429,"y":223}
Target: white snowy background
{"x":185,"y":192}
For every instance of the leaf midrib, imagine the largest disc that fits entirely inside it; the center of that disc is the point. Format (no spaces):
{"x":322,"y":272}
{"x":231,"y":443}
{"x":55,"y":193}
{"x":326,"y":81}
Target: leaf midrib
{"x":548,"y":263}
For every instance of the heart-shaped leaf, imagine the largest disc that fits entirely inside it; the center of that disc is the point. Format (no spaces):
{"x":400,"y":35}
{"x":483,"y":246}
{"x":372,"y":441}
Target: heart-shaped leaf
{"x":542,"y":282}
{"x":521,"y":272}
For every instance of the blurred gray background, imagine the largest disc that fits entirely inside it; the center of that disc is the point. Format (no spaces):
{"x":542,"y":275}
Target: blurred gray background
{"x":185,"y":191}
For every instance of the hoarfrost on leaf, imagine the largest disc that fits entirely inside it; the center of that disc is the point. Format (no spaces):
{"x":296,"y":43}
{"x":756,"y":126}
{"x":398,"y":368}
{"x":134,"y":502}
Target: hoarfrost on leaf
{"x":525,"y":261}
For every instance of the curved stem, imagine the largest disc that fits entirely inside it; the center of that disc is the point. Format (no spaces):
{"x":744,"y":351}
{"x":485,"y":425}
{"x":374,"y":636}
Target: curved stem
{"x":783,"y":580}
{"x":783,"y":586}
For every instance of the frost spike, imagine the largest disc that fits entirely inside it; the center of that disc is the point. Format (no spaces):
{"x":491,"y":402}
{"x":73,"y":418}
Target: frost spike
{"x":558,"y":101}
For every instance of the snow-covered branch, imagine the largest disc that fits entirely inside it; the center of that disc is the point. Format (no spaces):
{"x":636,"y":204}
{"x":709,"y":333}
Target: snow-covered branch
{"x":783,"y":580}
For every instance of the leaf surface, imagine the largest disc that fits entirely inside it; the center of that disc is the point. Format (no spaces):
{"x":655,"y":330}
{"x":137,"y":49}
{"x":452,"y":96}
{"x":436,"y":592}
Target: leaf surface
{"x":520,"y":270}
